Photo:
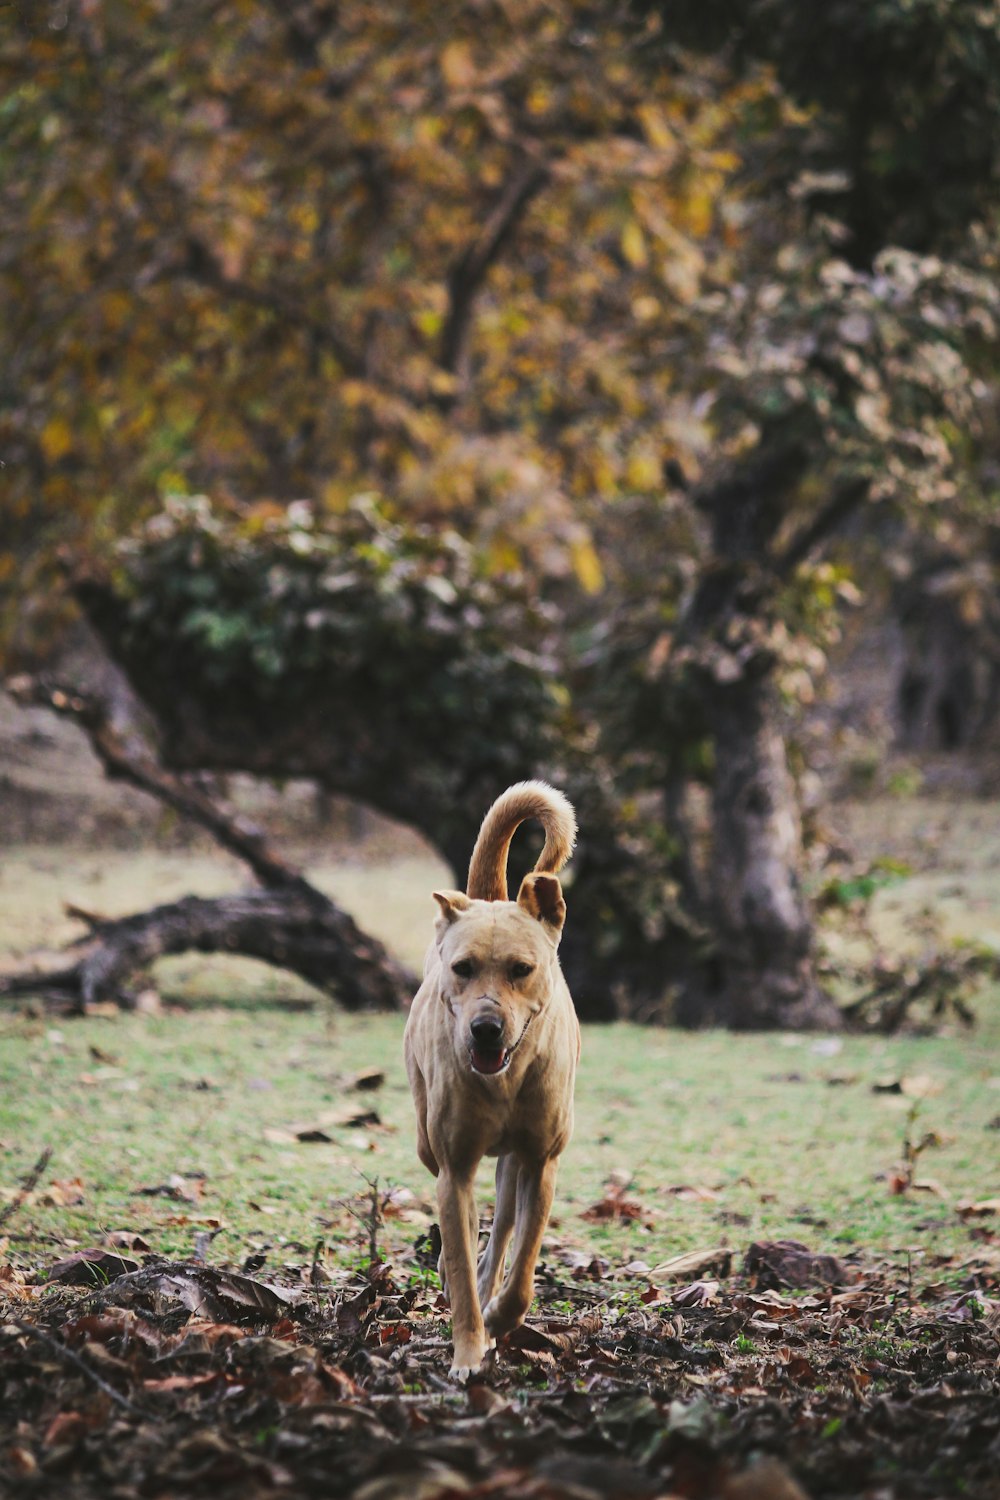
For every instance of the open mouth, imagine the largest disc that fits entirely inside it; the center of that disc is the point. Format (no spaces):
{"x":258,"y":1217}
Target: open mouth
{"x":490,"y":1060}
{"x":495,"y":1059}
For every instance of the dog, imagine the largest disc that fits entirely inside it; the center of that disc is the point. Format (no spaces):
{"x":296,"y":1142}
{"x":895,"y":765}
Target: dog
{"x":492,"y":1043}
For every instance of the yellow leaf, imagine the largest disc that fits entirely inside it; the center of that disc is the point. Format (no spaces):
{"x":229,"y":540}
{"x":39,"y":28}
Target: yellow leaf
{"x":587,"y":566}
{"x":457,"y":66}
{"x":56,"y":439}
{"x":633,"y":244}
{"x":644,"y":471}
{"x":443,"y":383}
{"x":699,"y":210}
{"x":655,"y":127}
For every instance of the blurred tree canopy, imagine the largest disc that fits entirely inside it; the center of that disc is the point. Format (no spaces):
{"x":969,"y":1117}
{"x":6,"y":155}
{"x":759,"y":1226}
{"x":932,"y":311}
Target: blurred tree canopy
{"x":605,"y":344}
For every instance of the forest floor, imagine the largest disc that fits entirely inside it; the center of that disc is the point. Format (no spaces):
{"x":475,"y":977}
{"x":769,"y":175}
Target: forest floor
{"x":773,"y":1269}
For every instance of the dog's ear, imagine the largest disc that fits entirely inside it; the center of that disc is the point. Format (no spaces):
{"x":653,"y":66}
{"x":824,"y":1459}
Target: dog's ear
{"x":542,"y":898}
{"x":452,"y":903}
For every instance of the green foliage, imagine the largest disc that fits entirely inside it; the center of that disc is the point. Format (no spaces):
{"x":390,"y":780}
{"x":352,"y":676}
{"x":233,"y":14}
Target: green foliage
{"x":391,"y":630}
{"x":861,"y":888}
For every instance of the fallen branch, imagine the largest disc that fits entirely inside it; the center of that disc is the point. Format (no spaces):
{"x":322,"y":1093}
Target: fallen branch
{"x":288,"y":923}
{"x":293,"y":929}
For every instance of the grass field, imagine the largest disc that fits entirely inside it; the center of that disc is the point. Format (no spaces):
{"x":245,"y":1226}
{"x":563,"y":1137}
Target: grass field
{"x":720,"y":1139}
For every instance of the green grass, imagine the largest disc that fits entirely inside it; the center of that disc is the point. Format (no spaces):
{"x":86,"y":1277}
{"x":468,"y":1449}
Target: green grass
{"x":756,"y":1153}
{"x":725,"y":1139}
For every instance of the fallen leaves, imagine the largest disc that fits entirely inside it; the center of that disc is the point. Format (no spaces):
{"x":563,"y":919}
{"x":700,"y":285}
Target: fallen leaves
{"x":185,"y":1189}
{"x":968,"y":1209}
{"x":318,"y":1130}
{"x":615,"y":1204}
{"x":222,"y":1382}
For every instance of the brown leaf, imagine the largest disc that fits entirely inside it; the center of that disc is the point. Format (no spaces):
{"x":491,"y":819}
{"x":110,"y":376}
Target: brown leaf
{"x":778,"y":1263}
{"x":967,"y":1209}
{"x":716,"y":1261}
{"x":614,"y":1204}
{"x":220,"y":1296}
{"x":94,"y":1267}
{"x":184,"y":1189}
{"x":768,"y":1480}
{"x":99,"y":1055}
{"x":126,"y":1239}
{"x":697,"y":1294}
{"x":367,"y":1078}
{"x":184,"y":1382}
{"x":21,"y":1459}
{"x":65,"y":1194}
{"x":66,"y":1428}
{"x":693,"y":1193}
{"x":201,"y":1336}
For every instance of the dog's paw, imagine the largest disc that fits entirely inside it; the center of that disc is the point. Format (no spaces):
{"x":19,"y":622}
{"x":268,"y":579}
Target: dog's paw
{"x":503,"y":1314}
{"x":468,"y":1362}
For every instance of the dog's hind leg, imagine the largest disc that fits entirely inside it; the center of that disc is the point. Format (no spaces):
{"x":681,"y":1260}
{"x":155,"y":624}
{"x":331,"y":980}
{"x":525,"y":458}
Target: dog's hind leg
{"x":491,"y":1262}
{"x":536,"y":1182}
{"x":457,"y":1213}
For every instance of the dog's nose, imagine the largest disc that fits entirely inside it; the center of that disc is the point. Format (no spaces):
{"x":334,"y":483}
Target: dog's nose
{"x":487,"y":1031}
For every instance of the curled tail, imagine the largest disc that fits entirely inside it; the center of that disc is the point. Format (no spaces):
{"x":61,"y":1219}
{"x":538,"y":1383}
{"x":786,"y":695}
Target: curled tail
{"x":528,"y":799}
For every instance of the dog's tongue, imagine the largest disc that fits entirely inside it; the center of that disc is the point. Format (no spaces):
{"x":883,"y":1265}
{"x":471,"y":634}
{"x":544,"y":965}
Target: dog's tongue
{"x":488,"y":1062}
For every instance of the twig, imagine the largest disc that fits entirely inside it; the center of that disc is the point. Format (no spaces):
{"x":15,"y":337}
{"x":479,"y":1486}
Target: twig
{"x":374,"y":1219}
{"x":28,"y":1186}
{"x":81,"y":1364}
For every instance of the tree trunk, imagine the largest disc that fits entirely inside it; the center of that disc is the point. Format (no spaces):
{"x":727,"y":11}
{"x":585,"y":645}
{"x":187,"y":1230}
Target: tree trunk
{"x":290,"y":927}
{"x":762,"y":926}
{"x":949,"y":691}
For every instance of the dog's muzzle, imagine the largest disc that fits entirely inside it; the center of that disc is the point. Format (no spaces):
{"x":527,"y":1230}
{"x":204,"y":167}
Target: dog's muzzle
{"x":488,"y":1054}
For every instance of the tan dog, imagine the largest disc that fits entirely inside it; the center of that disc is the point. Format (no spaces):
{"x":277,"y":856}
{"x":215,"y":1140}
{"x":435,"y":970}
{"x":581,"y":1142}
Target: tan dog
{"x":491,"y":1045}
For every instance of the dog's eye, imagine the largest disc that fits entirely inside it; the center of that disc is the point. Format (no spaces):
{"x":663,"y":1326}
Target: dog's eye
{"x":521,"y":971}
{"x":463,"y":968}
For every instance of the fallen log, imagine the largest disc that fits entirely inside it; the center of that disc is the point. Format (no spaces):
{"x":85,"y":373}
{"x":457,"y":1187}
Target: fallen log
{"x":286,"y":921}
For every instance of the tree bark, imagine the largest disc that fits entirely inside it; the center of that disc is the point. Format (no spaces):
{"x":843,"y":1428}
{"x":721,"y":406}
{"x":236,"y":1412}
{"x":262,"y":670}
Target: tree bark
{"x":762,"y":925}
{"x":762,"y":972}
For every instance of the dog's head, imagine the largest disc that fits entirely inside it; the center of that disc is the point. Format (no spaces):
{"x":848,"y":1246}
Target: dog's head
{"x":498,"y":968}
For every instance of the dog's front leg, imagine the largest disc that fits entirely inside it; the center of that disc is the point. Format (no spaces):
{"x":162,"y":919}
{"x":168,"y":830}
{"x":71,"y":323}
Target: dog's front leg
{"x":457,"y":1215}
{"x":536,"y":1182}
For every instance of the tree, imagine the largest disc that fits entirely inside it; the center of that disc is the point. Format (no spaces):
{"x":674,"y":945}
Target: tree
{"x":517,"y":281}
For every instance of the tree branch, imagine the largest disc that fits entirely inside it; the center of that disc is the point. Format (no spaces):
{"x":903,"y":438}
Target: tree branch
{"x":203,"y":267}
{"x":289,"y":923}
{"x":124,"y":763}
{"x":845,"y":499}
{"x":467,"y":274}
